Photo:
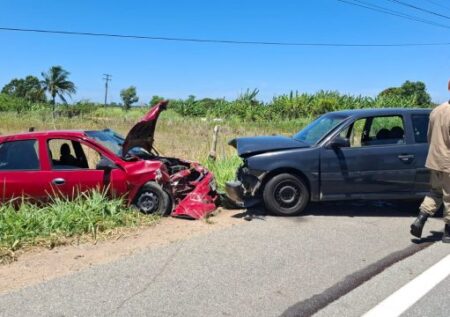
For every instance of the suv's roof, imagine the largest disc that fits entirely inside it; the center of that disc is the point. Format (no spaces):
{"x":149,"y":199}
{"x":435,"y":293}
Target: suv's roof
{"x":383,"y":111}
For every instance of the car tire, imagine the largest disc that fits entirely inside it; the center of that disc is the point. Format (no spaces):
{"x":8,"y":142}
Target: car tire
{"x":285,"y":195}
{"x":152,"y":199}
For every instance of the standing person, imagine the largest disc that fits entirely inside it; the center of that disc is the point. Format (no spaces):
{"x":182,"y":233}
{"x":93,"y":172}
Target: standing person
{"x":438,"y":161}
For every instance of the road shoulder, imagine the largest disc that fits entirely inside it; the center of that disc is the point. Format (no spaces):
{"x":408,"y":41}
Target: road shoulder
{"x":41,"y":265}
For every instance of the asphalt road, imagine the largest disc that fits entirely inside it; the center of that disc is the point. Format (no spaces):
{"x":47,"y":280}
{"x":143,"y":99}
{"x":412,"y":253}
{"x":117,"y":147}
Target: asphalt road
{"x":435,"y":303}
{"x":337,"y":260}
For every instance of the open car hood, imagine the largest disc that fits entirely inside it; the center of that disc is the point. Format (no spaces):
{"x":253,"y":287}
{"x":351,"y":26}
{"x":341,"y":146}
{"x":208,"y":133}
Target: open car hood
{"x":142,"y":133}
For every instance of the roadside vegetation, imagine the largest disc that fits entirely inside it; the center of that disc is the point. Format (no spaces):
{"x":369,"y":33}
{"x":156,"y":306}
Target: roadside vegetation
{"x":91,"y":216}
{"x":184,"y":130}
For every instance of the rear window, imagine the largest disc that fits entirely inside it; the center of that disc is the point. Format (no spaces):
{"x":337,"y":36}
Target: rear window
{"x":19,"y":155}
{"x":420,"y":127}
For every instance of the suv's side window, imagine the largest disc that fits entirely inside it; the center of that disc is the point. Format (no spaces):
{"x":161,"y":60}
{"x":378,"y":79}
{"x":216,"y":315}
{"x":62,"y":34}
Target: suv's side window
{"x":386,"y":130}
{"x":19,"y":155}
{"x":374,"y":131}
{"x":420,"y":125}
{"x":355,"y":132}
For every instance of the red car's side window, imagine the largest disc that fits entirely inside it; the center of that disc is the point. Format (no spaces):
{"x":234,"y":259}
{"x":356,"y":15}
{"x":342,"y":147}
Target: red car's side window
{"x":70,"y":154}
{"x":21,"y":155}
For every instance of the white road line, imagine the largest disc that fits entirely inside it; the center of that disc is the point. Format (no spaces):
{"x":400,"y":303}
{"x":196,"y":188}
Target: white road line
{"x":408,"y":295}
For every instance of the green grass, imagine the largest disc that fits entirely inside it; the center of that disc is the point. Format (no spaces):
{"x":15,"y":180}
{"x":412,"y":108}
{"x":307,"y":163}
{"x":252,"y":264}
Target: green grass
{"x":91,"y":215}
{"x":224,"y":169}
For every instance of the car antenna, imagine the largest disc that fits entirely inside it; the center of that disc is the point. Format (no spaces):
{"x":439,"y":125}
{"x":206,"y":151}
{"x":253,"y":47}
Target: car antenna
{"x":31,"y":129}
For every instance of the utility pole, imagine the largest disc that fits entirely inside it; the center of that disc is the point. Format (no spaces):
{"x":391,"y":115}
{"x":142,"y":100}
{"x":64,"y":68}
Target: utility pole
{"x":107,"y":79}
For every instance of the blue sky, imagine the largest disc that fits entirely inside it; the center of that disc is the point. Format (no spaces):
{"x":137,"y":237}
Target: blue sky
{"x":173,"y":69}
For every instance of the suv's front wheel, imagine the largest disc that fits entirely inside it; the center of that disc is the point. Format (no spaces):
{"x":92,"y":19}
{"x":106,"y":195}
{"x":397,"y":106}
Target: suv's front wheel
{"x":286,"y":195}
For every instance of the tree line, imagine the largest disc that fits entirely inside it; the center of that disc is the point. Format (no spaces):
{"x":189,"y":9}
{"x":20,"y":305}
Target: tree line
{"x":30,"y":92}
{"x":56,"y":84}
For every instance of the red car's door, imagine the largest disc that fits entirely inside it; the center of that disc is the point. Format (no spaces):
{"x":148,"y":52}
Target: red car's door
{"x":21,"y":172}
{"x":76,"y":169}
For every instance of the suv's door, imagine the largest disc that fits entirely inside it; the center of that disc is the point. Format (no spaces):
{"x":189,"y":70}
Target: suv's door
{"x":76,"y":169}
{"x":378,"y":164}
{"x":20,"y":170}
{"x":419,"y":123}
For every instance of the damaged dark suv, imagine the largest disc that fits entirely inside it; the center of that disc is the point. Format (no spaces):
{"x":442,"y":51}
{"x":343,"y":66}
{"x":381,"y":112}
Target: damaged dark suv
{"x":344,"y":155}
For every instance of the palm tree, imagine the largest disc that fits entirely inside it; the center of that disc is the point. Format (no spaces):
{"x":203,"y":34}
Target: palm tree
{"x":56,"y":84}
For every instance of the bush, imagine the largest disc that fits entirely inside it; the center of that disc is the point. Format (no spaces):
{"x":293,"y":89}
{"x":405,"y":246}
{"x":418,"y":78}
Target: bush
{"x":9,"y":103}
{"x":286,"y":107}
{"x":246,"y":107}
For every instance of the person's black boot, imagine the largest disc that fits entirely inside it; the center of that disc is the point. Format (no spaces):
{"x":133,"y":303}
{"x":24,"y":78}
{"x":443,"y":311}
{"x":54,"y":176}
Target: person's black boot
{"x":417,"y":226}
{"x":446,"y":236}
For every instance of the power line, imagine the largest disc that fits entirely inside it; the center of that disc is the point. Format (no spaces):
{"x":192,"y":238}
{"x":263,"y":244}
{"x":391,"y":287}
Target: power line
{"x":218,"y":41}
{"x":107,"y":79}
{"x":394,"y":12}
{"x":420,"y":9}
{"x":385,"y":10}
{"x":438,"y":4}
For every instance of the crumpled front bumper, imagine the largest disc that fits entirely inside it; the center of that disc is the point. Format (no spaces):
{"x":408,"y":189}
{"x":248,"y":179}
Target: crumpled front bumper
{"x":200,"y":202}
{"x":235,"y":192}
{"x":244,"y":191}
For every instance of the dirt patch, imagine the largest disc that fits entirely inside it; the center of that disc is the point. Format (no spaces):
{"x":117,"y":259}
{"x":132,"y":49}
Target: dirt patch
{"x":40,"y":265}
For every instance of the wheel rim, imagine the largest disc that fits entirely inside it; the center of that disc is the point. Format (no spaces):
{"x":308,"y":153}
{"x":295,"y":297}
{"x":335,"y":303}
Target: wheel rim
{"x":148,"y":202}
{"x":287,"y":194}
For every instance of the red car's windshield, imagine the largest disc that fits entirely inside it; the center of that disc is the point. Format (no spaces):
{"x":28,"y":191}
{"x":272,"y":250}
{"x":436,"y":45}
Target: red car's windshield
{"x":109,"y":139}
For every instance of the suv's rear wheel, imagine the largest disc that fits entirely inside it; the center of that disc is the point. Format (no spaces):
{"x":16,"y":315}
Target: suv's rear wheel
{"x":152,"y":199}
{"x":286,"y":195}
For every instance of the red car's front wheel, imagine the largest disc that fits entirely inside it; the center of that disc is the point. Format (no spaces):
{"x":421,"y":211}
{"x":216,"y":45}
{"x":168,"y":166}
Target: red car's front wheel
{"x":152,"y":199}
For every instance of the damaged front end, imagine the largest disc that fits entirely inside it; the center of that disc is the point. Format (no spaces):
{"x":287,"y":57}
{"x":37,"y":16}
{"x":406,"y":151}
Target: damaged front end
{"x":244,"y":190}
{"x":193,"y":188}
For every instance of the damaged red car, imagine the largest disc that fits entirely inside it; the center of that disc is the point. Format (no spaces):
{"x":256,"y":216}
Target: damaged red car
{"x":39,"y":165}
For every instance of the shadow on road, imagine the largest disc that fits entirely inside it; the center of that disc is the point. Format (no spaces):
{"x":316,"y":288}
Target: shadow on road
{"x":346,"y":209}
{"x":251,"y":213}
{"x":434,"y":236}
{"x":364,"y":209}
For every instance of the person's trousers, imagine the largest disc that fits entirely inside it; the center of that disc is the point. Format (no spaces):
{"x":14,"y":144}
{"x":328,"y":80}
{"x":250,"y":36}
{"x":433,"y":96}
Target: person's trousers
{"x":438,"y":195}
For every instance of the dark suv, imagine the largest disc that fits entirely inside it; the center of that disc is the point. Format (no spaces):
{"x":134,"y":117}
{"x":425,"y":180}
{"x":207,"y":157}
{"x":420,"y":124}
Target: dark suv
{"x":353,"y":154}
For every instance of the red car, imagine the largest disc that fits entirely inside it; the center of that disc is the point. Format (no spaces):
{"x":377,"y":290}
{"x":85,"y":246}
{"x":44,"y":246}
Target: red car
{"x":40,"y":164}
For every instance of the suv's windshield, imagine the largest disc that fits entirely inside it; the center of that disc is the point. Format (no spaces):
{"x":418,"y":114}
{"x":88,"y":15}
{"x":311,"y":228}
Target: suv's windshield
{"x":109,"y":139}
{"x":320,"y":127}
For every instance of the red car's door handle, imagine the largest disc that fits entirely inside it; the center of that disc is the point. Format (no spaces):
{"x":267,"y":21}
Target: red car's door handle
{"x":58,"y":181}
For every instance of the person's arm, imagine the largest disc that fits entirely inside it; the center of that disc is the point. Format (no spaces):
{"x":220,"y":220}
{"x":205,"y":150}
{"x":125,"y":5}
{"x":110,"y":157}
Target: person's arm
{"x":444,"y":126}
{"x":430,"y":127}
{"x":447,"y":131}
